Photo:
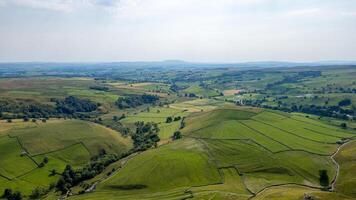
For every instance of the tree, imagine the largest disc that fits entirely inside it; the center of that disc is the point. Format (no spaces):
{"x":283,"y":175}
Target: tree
{"x":177,"y":118}
{"x":324,"y":178}
{"x":37,"y":193}
{"x":345,"y":102}
{"x":343,"y":125}
{"x":177,"y":135}
{"x":16,"y":196}
{"x":45,"y":160}
{"x":25,"y":119}
{"x":7,"y":193}
{"x":53,"y":172}
{"x":169,"y":120}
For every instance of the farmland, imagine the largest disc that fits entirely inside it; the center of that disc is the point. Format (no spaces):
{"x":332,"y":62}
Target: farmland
{"x":241,"y":162}
{"x":24,"y":145}
{"x":217,"y":133}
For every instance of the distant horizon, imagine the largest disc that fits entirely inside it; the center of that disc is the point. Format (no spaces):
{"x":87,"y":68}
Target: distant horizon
{"x":187,"y":61}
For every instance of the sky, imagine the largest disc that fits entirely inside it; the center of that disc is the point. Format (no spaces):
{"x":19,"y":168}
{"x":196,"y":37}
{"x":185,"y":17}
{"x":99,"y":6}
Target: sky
{"x":191,"y":30}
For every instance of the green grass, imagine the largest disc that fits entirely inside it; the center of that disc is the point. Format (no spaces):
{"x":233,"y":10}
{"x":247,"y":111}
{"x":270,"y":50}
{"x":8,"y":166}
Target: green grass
{"x":181,"y":164}
{"x":292,"y":140}
{"x":346,"y":181}
{"x":231,"y":188}
{"x":297,"y":193}
{"x":12,"y":162}
{"x":159,"y":116}
{"x":58,"y":134}
{"x":224,"y":154}
{"x":200,"y":91}
{"x":63,"y":142}
{"x":263,"y":168}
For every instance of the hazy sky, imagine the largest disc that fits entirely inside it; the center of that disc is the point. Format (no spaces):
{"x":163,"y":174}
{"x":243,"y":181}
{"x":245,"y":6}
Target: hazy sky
{"x":192,"y":30}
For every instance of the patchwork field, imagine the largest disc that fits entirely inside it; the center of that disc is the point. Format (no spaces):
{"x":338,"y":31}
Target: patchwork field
{"x":234,"y":153}
{"x":24,"y":146}
{"x":159,"y":116}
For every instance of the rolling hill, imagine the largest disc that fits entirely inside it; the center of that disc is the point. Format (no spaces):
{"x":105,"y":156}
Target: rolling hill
{"x":25,"y":145}
{"x":237,"y":153}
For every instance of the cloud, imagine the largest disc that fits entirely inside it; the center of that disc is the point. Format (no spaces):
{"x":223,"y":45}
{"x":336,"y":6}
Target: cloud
{"x":2,"y":3}
{"x":55,"y":5}
{"x":304,"y":12}
{"x":349,"y":14}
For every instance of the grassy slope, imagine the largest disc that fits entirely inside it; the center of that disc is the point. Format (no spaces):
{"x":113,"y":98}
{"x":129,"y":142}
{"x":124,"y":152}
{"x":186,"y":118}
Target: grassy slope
{"x":297,"y":193}
{"x":157,"y":115}
{"x":346,"y":181}
{"x":57,"y":134}
{"x":250,"y":147}
{"x":161,"y":171}
{"x":215,"y":143}
{"x":63,"y":142}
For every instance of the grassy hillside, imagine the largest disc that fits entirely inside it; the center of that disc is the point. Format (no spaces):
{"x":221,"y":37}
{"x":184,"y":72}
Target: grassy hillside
{"x":232,"y":153}
{"x":24,"y":146}
{"x":346,"y":180}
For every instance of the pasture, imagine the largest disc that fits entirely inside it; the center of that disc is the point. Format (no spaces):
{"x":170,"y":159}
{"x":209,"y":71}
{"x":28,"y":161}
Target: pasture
{"x":25,"y":145}
{"x":232,"y":153}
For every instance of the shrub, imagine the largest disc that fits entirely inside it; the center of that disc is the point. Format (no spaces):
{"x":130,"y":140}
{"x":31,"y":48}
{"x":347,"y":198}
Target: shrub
{"x":324,"y":178}
{"x":177,"y":135}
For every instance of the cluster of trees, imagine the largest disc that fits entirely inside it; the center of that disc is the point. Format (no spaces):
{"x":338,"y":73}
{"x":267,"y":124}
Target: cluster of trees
{"x":100,"y":88}
{"x":191,"y":95}
{"x":116,"y":118}
{"x":145,"y":136}
{"x":71,"y":177}
{"x":22,"y":108}
{"x":134,"y":101}
{"x":70,"y":106}
{"x":73,"y":104}
{"x":10,"y":195}
{"x":326,"y":111}
{"x":345,"y":102}
{"x":294,"y":78}
{"x":171,"y":119}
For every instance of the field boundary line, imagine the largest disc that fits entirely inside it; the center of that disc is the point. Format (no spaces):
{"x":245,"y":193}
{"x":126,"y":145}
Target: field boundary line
{"x":260,"y":145}
{"x":284,"y":184}
{"x":320,"y":133}
{"x":5,"y":177}
{"x":211,"y":157}
{"x":293,"y":133}
{"x":257,"y":131}
{"x":333,"y":182}
{"x":237,"y":139}
{"x":61,"y":149}
{"x":335,"y":128}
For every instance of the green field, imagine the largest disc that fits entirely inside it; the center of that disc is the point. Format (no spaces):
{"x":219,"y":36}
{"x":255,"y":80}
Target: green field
{"x":24,"y":145}
{"x":230,"y":154}
{"x":241,"y":133}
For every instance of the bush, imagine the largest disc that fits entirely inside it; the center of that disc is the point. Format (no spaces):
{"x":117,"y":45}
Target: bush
{"x":8,"y":194}
{"x":177,"y":135}
{"x":345,"y":102}
{"x":169,"y":120}
{"x":324,"y":178}
{"x":343,"y":125}
{"x":177,"y":118}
